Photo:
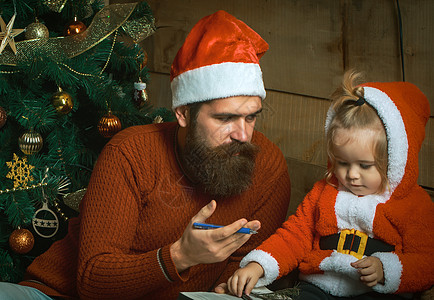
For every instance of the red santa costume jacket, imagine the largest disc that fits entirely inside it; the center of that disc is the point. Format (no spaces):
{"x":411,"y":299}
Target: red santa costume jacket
{"x":401,"y":217}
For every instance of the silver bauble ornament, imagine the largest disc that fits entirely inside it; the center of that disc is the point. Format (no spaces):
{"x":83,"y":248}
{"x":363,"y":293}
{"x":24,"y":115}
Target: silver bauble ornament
{"x":30,"y":142}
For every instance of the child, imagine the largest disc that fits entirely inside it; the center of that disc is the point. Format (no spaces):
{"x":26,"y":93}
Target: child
{"x":366,"y":229}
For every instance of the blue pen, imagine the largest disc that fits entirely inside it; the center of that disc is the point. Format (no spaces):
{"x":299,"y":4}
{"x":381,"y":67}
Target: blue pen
{"x":212,"y":226}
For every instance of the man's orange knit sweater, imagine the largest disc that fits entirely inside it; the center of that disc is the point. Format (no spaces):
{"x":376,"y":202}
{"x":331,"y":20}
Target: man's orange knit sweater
{"x":137,"y":204}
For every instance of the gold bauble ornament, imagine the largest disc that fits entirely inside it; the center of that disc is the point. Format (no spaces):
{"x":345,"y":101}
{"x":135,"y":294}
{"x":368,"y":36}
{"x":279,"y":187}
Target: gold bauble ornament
{"x":62,"y":102}
{"x":74,"y":27}
{"x":21,"y":241}
{"x":36,"y":31}
{"x":3,"y":117}
{"x":30,"y":142}
{"x":109,"y":125}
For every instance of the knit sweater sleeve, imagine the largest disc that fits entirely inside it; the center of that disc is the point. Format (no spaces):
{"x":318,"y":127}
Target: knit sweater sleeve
{"x":107,"y":266}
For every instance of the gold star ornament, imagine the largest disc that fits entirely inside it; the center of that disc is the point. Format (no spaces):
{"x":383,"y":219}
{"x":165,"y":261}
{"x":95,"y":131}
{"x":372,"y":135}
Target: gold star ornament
{"x":7,"y":34}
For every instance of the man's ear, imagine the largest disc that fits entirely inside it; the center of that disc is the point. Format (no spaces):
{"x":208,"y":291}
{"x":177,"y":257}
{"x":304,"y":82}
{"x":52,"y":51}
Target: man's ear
{"x":182,"y":115}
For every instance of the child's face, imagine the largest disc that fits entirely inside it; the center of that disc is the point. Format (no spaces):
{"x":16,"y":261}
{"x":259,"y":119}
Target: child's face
{"x":355,"y":164}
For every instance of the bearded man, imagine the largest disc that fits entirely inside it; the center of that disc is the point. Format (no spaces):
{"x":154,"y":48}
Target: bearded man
{"x":134,"y":238}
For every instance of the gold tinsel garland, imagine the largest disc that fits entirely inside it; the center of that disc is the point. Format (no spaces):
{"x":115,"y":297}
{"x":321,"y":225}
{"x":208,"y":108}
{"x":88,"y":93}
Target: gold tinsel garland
{"x":105,"y":22}
{"x":55,"y":5}
{"x":58,"y":5}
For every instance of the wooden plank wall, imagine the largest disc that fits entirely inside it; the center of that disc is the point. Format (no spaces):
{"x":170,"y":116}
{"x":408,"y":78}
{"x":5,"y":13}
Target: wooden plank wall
{"x":311,"y":43}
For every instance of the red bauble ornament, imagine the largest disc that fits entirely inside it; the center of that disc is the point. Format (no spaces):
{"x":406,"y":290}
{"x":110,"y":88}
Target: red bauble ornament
{"x":74,"y":27}
{"x":21,"y":241}
{"x":109,"y":125}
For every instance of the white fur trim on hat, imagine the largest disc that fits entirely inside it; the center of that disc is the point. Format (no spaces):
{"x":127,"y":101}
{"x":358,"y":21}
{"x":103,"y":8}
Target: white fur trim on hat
{"x":267,"y":262}
{"x":217,"y":81}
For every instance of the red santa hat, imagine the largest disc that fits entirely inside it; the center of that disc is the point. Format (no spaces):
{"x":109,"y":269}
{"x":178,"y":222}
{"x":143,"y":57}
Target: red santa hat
{"x":219,"y":59}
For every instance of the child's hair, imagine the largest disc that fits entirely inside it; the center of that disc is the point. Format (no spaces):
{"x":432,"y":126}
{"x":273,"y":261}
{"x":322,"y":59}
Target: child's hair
{"x":351,"y":111}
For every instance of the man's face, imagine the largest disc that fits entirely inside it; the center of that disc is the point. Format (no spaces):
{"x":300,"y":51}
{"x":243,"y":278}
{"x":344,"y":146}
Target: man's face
{"x":225,"y":120}
{"x":218,"y":153}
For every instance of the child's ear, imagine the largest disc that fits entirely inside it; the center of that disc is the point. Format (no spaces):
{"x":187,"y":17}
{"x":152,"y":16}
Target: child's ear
{"x":182,"y":115}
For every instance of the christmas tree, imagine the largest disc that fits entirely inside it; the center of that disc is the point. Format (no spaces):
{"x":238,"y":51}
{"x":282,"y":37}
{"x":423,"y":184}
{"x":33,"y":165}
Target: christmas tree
{"x":70,"y":78}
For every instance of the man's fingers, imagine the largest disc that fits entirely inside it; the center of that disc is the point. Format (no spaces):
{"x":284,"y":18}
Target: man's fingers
{"x":254,"y":225}
{"x":226,"y":232}
{"x":228,"y":237}
{"x":205,"y":212}
{"x":233,"y":243}
{"x":230,"y":231}
{"x":232,"y":228}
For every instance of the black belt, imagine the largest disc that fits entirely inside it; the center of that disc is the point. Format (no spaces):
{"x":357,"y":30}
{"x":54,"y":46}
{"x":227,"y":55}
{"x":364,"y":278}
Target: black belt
{"x":354,"y":242}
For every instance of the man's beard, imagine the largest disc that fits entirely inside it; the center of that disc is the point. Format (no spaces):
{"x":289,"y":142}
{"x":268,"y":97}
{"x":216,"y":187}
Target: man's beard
{"x":221,"y":171}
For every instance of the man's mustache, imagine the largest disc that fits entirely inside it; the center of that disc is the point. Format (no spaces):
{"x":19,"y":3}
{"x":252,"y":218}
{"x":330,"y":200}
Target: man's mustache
{"x":235,"y":148}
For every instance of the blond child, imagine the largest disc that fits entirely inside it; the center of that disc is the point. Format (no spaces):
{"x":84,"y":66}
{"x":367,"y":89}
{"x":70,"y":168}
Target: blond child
{"x":366,"y":230}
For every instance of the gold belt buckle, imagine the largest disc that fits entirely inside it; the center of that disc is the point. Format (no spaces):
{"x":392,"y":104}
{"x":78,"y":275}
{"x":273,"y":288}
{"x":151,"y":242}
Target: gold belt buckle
{"x":362,"y":246}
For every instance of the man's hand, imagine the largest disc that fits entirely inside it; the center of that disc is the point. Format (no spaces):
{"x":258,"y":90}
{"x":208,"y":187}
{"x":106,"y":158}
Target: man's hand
{"x":243,"y":280}
{"x":370,"y":269}
{"x":208,"y":246}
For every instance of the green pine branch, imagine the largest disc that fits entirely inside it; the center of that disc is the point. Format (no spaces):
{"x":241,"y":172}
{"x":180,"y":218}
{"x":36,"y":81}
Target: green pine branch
{"x":98,"y":80}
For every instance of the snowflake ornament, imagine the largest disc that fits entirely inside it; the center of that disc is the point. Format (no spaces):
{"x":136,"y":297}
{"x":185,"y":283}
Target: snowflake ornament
{"x":20,"y":171}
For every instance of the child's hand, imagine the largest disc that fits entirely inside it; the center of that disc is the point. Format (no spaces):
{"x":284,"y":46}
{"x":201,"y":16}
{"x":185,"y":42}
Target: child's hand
{"x":244,"y":279}
{"x":370,"y":269}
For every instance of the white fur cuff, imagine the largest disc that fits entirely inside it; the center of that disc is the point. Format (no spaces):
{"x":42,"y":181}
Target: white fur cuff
{"x":267,"y":262}
{"x":392,"y":268}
